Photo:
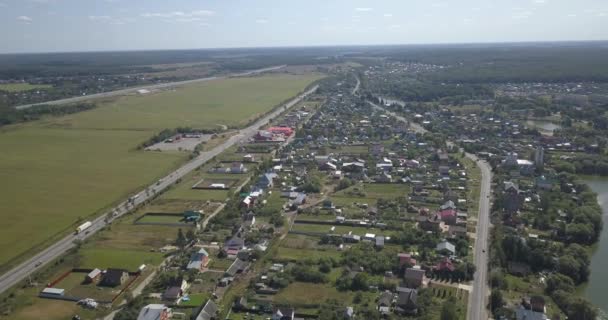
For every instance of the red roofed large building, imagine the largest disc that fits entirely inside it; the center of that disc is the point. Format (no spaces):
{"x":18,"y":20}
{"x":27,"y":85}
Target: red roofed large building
{"x":286,"y":131}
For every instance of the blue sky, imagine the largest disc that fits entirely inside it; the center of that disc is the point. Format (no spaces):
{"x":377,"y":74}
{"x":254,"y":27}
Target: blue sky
{"x":85,"y":25}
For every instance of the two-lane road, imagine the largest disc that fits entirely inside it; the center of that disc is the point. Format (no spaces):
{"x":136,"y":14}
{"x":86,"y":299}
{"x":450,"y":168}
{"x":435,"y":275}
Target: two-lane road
{"x":478,"y":298}
{"x":26,"y":268}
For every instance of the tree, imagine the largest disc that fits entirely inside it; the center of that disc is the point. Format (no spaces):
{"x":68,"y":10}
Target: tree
{"x":570,"y":267}
{"x":496,"y":301}
{"x":448,"y":310}
{"x":181,"y":240}
{"x":190,"y":235}
{"x":360,"y":281}
{"x":581,"y":309}
{"x":559,"y":281}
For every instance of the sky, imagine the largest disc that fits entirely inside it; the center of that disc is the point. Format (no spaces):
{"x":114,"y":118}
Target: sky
{"x":107,"y":25}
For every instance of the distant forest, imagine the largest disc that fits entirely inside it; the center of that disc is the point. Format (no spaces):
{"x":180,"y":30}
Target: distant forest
{"x":558,"y":62}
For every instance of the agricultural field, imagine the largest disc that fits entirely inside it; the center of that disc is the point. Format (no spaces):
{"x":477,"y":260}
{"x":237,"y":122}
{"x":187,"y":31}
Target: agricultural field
{"x":18,"y":87}
{"x":51,"y":177}
{"x":70,"y":168}
{"x":229,"y":102}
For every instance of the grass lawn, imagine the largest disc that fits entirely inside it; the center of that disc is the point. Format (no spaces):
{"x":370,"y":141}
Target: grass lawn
{"x":301,"y":293}
{"x":162,"y":219}
{"x":114,"y":258}
{"x":339,"y":229}
{"x":52,"y":310}
{"x":376,"y":190}
{"x":18,"y":87}
{"x":216,"y":263}
{"x":284,"y":253}
{"x":196,"y":300}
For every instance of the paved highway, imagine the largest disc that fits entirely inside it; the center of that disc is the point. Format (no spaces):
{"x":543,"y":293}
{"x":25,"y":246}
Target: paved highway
{"x":26,"y":268}
{"x":150,"y":87}
{"x":478,"y":298}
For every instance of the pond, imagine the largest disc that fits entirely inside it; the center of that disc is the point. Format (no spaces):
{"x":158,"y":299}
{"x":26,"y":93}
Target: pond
{"x":595,"y":290}
{"x":543,"y":125}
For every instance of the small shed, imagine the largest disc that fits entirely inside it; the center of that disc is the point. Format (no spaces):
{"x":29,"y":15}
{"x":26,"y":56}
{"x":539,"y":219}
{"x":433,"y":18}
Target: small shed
{"x":53,"y":291}
{"x":93,"y":275}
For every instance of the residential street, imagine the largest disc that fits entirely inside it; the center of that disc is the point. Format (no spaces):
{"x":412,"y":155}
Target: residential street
{"x":478,"y":299}
{"x":26,"y":268}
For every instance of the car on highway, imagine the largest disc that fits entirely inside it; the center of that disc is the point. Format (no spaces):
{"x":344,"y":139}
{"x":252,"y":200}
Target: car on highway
{"x":37,"y":264}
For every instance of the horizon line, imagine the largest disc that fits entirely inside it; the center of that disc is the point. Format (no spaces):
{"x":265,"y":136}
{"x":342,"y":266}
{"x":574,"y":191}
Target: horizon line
{"x":312,"y":46}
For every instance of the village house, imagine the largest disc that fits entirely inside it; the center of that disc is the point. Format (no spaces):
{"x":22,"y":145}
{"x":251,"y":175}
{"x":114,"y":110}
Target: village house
{"x":93,"y":276}
{"x":446,"y":248}
{"x":237,"y":267}
{"x":445,"y":265}
{"x":155,"y":312}
{"x":198,"y":260}
{"x":407,"y":301}
{"x":283,"y":314}
{"x":406,"y":259}
{"x":114,"y":277}
{"x":385,"y":302}
{"x":414,"y":277}
{"x":532,"y":309}
{"x":208,"y":312}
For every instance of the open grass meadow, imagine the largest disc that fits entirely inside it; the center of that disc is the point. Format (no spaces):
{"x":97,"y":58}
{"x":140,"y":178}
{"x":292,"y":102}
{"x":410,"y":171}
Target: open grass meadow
{"x":57,"y":170}
{"x":51,"y":177}
{"x":230,"y":102}
{"x":18,"y":87}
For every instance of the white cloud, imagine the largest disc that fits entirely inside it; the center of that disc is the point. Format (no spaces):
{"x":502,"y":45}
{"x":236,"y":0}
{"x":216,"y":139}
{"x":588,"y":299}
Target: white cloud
{"x":388,"y":15}
{"x":192,"y":19}
{"x":111,"y":20}
{"x":179,"y":14}
{"x":261,"y":21}
{"x":363,"y":9}
{"x":540,"y":1}
{"x":25,"y":19}
{"x":571,"y":15}
{"x":100,"y":18}
{"x":602,"y":14}
{"x":521,"y":14}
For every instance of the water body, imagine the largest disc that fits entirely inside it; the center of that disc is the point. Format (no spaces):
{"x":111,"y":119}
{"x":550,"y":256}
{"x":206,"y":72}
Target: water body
{"x":595,"y":290}
{"x":543,"y":125}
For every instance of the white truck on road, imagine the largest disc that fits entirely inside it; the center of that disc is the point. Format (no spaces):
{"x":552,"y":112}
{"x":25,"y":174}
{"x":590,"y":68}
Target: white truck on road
{"x":83,"y":227}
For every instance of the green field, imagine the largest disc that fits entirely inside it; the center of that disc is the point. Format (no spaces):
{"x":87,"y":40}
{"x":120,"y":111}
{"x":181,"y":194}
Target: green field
{"x":57,"y":170}
{"x":114,"y":258}
{"x":230,"y":102}
{"x":50,"y":177}
{"x":165,"y":218}
{"x":284,"y":253}
{"x":18,"y":87}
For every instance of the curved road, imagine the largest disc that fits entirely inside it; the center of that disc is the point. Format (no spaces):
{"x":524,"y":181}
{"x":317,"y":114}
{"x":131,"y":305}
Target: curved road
{"x":149,"y":87}
{"x":476,"y":309}
{"x":26,"y":268}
